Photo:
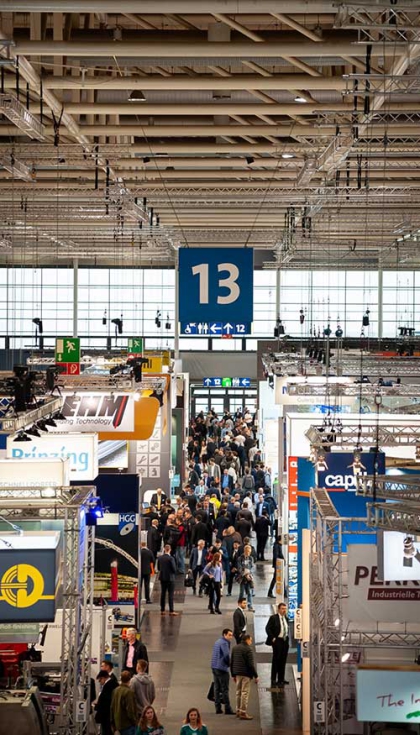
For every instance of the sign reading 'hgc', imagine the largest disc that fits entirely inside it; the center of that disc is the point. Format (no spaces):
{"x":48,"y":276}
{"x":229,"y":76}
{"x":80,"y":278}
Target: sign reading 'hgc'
{"x":216,"y":284}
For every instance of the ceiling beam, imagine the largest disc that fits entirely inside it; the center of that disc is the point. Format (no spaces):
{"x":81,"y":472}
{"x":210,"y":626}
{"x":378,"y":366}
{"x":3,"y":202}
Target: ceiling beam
{"x":269,"y":106}
{"x":176,"y":82}
{"x":192,"y":7}
{"x":238,"y":27}
{"x":287,"y":20}
{"x":200,"y":49}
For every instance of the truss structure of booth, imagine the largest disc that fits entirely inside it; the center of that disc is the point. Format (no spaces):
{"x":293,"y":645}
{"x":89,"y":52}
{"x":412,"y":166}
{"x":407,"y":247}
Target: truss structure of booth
{"x":69,"y":506}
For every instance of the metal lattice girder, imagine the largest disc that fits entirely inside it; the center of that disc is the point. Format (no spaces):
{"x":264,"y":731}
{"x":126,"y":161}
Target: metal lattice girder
{"x":359,"y":118}
{"x":369,"y":435}
{"x":15,"y":423}
{"x":385,"y":22}
{"x":285,"y":363}
{"x":366,"y":390}
{"x":394,"y":517}
{"x":397,"y":83}
{"x":392,"y":487}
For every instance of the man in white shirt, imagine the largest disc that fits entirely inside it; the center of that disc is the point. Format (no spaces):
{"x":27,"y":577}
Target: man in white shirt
{"x":277,"y":630}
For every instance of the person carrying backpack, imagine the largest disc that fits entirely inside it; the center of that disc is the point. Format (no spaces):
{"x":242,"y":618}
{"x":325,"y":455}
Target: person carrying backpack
{"x":248,"y":482}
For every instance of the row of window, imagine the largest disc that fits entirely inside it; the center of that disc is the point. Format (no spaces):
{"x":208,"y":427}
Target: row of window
{"x":321,"y":297}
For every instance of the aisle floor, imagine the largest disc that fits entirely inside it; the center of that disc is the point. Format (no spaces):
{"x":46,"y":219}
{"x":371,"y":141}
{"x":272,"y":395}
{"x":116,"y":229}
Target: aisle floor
{"x":180,"y":652}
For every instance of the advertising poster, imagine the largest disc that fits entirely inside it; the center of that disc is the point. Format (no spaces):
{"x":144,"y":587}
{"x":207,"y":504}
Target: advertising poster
{"x":292,"y":567}
{"x":398,"y":556}
{"x":371,"y":599}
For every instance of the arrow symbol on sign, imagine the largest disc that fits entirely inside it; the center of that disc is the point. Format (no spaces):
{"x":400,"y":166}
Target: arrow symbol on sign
{"x":214,"y":328}
{"x":228,"y":328}
{"x":207,"y":381}
{"x":246,"y":382}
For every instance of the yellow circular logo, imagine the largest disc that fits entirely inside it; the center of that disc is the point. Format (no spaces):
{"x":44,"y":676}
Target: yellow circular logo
{"x":22,"y":585}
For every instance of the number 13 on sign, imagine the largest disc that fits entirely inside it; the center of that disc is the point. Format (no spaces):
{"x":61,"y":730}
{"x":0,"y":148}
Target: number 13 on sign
{"x":216,"y":284}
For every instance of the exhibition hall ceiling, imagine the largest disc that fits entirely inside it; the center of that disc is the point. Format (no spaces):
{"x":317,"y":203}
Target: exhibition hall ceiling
{"x":287,"y":126}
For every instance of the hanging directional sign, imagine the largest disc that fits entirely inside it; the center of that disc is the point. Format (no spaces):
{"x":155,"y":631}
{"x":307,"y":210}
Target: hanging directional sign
{"x":226,"y":382}
{"x":67,"y":349}
{"x":216,"y":329}
{"x":216,"y":286}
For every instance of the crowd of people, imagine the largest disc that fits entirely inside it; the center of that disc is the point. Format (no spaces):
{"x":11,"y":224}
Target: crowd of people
{"x":204,"y":534}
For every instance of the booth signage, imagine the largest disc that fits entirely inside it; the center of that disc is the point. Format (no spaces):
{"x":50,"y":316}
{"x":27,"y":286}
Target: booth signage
{"x":67,"y":349}
{"x":370,"y":599}
{"x":82,"y":451}
{"x":280,"y":579}
{"x":319,"y":711}
{"x":340,"y":474}
{"x":398,"y":556}
{"x":216,"y":285}
{"x":154,"y":364}
{"x":298,"y":624}
{"x":388,"y":695}
{"x":27,"y":472}
{"x":96,"y":412}
{"x":29,"y":577}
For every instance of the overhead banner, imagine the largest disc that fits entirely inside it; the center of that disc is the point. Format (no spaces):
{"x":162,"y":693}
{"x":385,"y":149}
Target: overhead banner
{"x":29,"y":577}
{"x":371,"y":599}
{"x":81,"y":450}
{"x":398,"y":556}
{"x":96,"y":412}
{"x":388,"y":695}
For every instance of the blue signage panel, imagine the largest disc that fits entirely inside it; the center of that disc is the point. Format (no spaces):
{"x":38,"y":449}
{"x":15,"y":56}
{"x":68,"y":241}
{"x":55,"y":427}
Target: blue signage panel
{"x":226,"y":382}
{"x":339,"y":479}
{"x":216,"y":329}
{"x":216,"y":286}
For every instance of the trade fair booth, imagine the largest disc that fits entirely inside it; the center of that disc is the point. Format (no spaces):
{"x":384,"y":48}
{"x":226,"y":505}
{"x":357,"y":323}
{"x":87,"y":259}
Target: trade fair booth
{"x":75,"y":476}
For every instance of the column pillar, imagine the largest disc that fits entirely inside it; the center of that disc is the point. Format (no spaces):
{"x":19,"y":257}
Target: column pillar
{"x":75,"y":294}
{"x":176,"y":321}
{"x":380,"y":302}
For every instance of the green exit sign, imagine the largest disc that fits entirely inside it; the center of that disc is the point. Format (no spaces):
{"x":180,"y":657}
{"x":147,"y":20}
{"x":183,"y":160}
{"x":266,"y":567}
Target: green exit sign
{"x":227,"y":382}
{"x":67,"y":349}
{"x":135,"y":345}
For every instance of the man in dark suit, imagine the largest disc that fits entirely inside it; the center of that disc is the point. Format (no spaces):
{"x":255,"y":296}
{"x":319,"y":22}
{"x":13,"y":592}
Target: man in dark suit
{"x":277,"y":630}
{"x":158,"y":499}
{"x":154,"y":538}
{"x":147,"y":559}
{"x":239,"y":620}
{"x":134,"y":650}
{"x":103,"y":703}
{"x":167,"y":575}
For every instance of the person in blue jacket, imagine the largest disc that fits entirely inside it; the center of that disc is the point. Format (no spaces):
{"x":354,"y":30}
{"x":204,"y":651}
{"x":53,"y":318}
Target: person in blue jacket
{"x":220,"y":665}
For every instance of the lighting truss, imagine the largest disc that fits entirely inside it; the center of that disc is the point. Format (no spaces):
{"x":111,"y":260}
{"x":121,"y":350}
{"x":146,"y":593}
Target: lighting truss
{"x":331,"y":117}
{"x":385,"y":22}
{"x":366,"y":390}
{"x":394,"y":517}
{"x":11,"y":108}
{"x":390,"y":487}
{"x":381,"y":84}
{"x":292,"y":364}
{"x":26,"y":418}
{"x":369,"y":435}
{"x":18,"y":169}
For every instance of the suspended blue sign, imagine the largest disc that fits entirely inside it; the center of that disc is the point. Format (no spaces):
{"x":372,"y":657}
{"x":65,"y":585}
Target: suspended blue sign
{"x":216,"y":286}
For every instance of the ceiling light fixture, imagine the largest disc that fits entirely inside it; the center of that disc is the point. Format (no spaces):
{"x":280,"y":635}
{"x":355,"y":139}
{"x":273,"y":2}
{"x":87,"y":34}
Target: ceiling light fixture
{"x":300,"y":99}
{"x":137,"y":96}
{"x":287,"y":155}
{"x":249,"y":160}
